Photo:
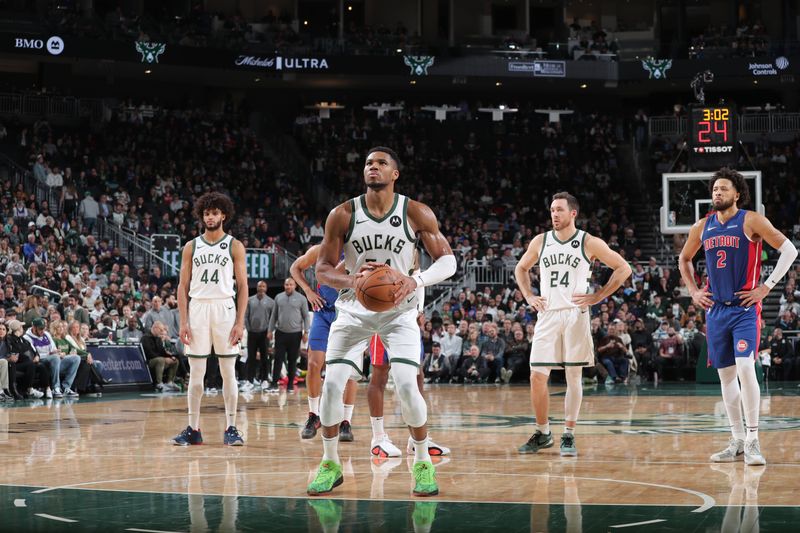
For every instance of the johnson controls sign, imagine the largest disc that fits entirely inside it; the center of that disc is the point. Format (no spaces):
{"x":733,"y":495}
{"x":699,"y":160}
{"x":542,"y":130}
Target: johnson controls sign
{"x":768,"y":69}
{"x":54,"y":45}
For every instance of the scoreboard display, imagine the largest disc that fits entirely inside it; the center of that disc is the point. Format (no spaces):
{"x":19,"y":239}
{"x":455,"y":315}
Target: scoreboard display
{"x":713,"y":140}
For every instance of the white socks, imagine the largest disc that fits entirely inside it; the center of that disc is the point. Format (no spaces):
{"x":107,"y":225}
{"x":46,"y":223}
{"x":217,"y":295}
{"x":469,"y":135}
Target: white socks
{"x":421,"y":450}
{"x":313,"y":405}
{"x":331,"y":449}
{"x":377,"y":426}
{"x":348,"y":412}
{"x":544,"y":428}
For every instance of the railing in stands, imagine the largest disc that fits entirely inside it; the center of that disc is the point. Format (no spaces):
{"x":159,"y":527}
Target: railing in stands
{"x":137,"y":249}
{"x":31,"y":185}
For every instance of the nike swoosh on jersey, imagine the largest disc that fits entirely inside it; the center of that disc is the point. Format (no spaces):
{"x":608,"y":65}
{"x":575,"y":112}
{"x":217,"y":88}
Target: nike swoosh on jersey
{"x":712,"y":227}
{"x":360,"y":221}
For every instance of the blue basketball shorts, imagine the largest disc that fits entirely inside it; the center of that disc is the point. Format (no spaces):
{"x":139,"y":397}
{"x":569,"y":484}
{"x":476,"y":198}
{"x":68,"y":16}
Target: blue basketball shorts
{"x":732,"y":332}
{"x":320,"y":329}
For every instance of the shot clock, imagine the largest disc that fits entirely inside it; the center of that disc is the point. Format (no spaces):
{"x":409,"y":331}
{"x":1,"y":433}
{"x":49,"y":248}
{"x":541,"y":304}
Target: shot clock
{"x":713,"y":140}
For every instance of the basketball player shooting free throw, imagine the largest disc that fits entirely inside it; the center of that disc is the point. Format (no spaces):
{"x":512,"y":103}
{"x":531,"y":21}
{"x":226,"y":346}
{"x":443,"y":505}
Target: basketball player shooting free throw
{"x":380,"y":227}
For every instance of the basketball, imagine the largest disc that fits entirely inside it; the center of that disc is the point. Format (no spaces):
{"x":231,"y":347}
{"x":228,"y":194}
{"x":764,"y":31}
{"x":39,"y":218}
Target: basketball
{"x":376,"y":289}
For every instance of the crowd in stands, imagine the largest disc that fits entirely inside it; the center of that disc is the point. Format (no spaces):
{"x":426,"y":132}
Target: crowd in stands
{"x":143,"y":172}
{"x":272,"y":33}
{"x":591,"y":42}
{"x":747,"y":40}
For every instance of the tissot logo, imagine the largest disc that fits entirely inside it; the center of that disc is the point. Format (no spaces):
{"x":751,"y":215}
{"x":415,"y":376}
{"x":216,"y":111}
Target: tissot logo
{"x":54,"y":44}
{"x":283,"y":63}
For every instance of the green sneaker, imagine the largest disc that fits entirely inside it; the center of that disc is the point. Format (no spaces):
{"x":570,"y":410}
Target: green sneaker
{"x":328,"y":512}
{"x":568,"y":448}
{"x":329,"y":476}
{"x":538,"y":441}
{"x":425,"y":479}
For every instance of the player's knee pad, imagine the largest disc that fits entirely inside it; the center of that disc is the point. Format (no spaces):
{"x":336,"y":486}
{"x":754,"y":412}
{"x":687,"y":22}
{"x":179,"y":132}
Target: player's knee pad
{"x":331,"y":408}
{"x":415,"y":411}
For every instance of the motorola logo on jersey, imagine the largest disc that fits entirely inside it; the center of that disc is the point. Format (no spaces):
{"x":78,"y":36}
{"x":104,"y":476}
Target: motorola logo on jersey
{"x":395,"y":221}
{"x":575,"y":244}
{"x":224,"y":245}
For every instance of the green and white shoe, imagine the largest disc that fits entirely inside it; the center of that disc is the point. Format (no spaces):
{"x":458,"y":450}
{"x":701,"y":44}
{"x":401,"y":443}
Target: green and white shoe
{"x":538,"y":441}
{"x":329,"y":476}
{"x":568,"y":448}
{"x":425,"y":479}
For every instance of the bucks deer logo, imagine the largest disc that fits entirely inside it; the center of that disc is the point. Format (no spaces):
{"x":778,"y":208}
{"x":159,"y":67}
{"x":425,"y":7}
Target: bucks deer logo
{"x":150,"y":51}
{"x":419,"y":64}
{"x":656,"y":68}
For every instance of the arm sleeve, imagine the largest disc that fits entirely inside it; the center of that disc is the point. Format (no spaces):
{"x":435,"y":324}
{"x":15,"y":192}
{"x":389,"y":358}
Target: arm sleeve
{"x":440,"y":270}
{"x":788,"y":255}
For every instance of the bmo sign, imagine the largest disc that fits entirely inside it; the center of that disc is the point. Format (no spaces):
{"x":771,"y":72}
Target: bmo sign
{"x":54,"y":45}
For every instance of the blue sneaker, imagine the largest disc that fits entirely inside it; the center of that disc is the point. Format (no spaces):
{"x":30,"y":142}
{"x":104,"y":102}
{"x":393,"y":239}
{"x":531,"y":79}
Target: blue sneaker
{"x":188,"y":437}
{"x":232,"y":437}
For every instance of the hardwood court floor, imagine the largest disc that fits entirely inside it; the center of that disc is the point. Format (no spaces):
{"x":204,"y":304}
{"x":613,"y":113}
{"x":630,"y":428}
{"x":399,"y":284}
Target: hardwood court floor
{"x":107,"y":465}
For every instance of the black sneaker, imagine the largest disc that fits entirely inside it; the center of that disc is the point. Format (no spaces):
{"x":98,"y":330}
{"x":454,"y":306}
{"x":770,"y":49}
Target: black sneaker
{"x":538,"y":441}
{"x":312,"y":425}
{"x":345,"y":432}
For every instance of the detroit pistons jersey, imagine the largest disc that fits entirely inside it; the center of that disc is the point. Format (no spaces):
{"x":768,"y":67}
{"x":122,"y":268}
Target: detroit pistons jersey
{"x":565,"y":269}
{"x":212,"y":269}
{"x":733,"y":261}
{"x":388,"y":240}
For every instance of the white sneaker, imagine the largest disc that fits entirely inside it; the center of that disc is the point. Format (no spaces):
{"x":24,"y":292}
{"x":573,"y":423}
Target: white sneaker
{"x":246,"y":387}
{"x":265,"y":385}
{"x":434,"y":450}
{"x":70,"y":393}
{"x":36,"y":394}
{"x":505,"y":374}
{"x":752,"y":454}
{"x":48,"y":394}
{"x":172,"y":387}
{"x":733,"y":452}
{"x":212,"y":391}
{"x":57,"y":393}
{"x":160,"y":387}
{"x":384,"y":447}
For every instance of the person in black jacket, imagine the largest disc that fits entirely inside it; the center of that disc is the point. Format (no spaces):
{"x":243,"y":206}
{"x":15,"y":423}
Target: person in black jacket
{"x":23,"y":362}
{"x":473,"y":368}
{"x":158,"y":358}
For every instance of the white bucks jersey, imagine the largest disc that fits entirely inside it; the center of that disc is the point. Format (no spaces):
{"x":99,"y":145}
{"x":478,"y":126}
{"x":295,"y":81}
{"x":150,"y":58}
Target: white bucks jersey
{"x":388,"y":240}
{"x":565,"y":269}
{"x":212,"y":269}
